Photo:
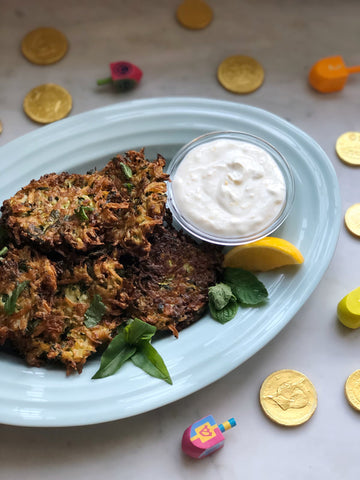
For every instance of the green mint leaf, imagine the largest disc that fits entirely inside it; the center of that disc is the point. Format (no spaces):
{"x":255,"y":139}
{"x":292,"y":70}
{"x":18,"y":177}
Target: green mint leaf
{"x":137,"y":331}
{"x":126,"y":170}
{"x":116,"y":354}
{"x":10,"y":303}
{"x":95,"y":312}
{"x":149,"y":360}
{"x":245,"y":286}
{"x":225,"y":314}
{"x":220,"y":295}
{"x":3,"y":251}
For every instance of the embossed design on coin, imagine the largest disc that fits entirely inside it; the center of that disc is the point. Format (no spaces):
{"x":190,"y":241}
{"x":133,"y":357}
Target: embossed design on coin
{"x":348,"y":148}
{"x":352,"y":389}
{"x":288,"y":397}
{"x":194,"y":14}
{"x":44,"y":45}
{"x":352,"y":219}
{"x":240,"y":74}
{"x":47,"y":103}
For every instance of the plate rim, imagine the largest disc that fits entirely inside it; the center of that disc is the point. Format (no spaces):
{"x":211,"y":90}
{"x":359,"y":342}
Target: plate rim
{"x":182,"y":102}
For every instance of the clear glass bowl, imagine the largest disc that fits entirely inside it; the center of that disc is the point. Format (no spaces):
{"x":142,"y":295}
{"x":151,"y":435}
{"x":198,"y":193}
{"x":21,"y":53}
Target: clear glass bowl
{"x":229,"y":240}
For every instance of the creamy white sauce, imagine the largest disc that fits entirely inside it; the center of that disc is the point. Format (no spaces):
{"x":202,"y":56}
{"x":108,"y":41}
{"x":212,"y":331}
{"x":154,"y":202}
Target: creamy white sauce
{"x":229,"y":188}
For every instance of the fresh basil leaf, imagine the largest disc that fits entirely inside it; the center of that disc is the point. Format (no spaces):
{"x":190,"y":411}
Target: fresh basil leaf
{"x":126,"y":170}
{"x":225,"y":314}
{"x":116,"y":354}
{"x":137,"y":330}
{"x":220,"y":295}
{"x":149,"y":359}
{"x":95,"y":312}
{"x":245,"y":286}
{"x":10,"y":303}
{"x":3,"y":251}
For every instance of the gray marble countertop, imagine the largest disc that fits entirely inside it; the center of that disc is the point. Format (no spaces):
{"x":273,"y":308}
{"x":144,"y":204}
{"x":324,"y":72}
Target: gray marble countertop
{"x":286,"y":37}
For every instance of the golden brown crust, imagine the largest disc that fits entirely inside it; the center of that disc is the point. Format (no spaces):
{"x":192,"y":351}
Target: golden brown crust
{"x":76,"y":238}
{"x":119,"y":206}
{"x":48,"y":321}
{"x":64,"y":211}
{"x":171,"y":284}
{"x":146,"y":196}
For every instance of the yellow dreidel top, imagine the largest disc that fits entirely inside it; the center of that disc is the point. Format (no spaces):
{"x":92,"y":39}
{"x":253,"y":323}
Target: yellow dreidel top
{"x":330,"y":74}
{"x":348,"y":310}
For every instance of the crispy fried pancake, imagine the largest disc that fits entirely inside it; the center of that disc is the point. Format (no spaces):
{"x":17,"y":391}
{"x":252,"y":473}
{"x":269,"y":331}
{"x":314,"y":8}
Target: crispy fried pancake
{"x":76,"y":239}
{"x":48,"y":322}
{"x":146,"y":189}
{"x":65,"y":210}
{"x":119,"y":206}
{"x":171,"y":284}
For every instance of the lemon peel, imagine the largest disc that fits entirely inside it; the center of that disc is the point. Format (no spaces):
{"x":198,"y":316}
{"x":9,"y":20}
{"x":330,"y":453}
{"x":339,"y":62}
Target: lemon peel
{"x":265,"y":254}
{"x":348,"y":310}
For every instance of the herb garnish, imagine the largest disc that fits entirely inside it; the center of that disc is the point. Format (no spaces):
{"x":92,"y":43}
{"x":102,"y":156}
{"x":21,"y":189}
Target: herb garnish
{"x":95,"y":312}
{"x":126,"y":170}
{"x":129,"y":186}
{"x":239,"y":287}
{"x":81,"y":212}
{"x":245,"y":286}
{"x":10,"y":302}
{"x":133,"y":342}
{"x":3,"y":251}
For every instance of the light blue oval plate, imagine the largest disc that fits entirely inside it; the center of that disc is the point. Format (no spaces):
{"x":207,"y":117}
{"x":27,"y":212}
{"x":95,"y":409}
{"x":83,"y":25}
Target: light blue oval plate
{"x":207,"y":350}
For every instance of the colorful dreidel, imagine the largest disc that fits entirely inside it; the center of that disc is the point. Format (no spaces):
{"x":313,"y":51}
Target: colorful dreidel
{"x":205,"y":436}
{"x":124,"y":76}
{"x":348,"y":310}
{"x":330,"y":74}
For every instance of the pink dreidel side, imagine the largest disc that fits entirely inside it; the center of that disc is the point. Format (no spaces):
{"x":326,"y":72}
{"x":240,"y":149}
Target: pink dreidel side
{"x":205,"y":436}
{"x":124,"y":75}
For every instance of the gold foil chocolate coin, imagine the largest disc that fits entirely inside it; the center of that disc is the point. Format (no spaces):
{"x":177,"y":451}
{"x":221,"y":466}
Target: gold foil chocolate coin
{"x":240,"y":74}
{"x":44,"y":46}
{"x":47,"y":103}
{"x":1,"y":126}
{"x":194,"y":14}
{"x":348,"y":148}
{"x":352,"y":389}
{"x":288,"y":397}
{"x":352,"y":219}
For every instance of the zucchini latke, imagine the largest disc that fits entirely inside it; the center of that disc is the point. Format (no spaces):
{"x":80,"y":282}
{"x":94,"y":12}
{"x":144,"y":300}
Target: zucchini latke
{"x":82,"y":254}
{"x":118,"y":205}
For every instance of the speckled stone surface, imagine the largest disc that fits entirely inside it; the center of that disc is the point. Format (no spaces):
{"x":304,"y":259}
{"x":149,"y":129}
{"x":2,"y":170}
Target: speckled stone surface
{"x":286,"y":37}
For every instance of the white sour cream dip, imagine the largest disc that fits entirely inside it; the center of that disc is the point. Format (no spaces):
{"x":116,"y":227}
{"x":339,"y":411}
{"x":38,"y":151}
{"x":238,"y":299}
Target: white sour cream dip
{"x":229,"y":188}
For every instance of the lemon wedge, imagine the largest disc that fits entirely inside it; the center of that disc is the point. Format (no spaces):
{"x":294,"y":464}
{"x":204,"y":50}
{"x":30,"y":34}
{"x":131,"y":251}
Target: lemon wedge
{"x":348,"y":309}
{"x":263,"y":255}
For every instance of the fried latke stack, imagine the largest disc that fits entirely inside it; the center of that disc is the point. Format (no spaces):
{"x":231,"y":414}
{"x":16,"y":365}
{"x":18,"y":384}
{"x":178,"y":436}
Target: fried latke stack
{"x":96,"y":245}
